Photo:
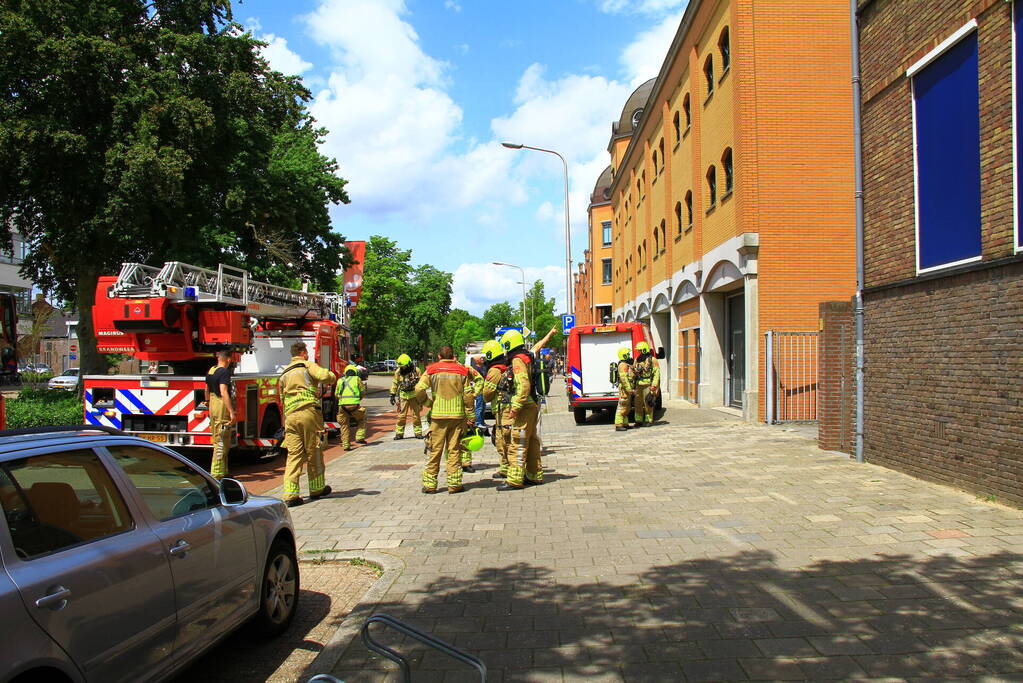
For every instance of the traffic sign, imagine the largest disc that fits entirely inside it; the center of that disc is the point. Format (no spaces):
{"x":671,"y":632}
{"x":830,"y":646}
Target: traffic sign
{"x":567,"y":323}
{"x":74,"y":347}
{"x":73,"y":356}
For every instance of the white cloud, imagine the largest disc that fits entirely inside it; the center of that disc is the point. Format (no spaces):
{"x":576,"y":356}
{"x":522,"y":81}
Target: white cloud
{"x":452,"y":5}
{"x":281,"y":57}
{"x":642,"y":58}
{"x":641,"y":6}
{"x":477,"y":286}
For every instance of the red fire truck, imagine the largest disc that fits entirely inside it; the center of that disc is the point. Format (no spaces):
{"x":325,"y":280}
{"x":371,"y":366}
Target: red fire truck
{"x":174,"y":319}
{"x":592,"y":350}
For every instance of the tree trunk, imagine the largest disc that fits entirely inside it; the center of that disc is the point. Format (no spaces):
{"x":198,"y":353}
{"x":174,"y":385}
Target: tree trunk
{"x":91,"y":361}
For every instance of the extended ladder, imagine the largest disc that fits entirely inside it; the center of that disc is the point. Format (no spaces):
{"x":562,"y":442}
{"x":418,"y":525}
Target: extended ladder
{"x":227,"y":286}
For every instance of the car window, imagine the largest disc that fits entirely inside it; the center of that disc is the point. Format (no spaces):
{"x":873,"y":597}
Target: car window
{"x":169,"y":487}
{"x":58,"y":500}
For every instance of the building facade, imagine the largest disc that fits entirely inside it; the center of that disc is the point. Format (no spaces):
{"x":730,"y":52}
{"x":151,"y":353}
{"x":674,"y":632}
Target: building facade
{"x":594,"y":302}
{"x":731,"y":195}
{"x":943,"y":250}
{"x":12,"y":282}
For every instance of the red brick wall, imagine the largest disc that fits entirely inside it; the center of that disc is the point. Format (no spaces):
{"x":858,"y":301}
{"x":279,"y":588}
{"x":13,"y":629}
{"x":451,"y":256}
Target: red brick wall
{"x":836,"y":380}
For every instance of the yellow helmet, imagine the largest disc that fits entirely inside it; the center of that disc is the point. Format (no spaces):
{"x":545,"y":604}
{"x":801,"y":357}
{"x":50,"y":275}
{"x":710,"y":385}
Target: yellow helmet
{"x":492,"y":349}
{"x":351,"y":370}
{"x":643,"y":347}
{"x":403,"y":359}
{"x":473,"y":439}
{"x":624,"y":353}
{"x":512,"y":339}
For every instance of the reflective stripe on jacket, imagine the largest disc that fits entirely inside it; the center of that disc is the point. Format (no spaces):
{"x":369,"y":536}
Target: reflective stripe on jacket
{"x":298,"y":383}
{"x":449,"y":383}
{"x":350,"y":390}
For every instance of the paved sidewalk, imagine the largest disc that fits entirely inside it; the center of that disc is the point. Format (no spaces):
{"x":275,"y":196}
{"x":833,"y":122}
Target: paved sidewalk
{"x":700,"y":549}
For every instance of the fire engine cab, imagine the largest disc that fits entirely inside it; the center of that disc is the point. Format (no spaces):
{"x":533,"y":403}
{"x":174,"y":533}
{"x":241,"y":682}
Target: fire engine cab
{"x":174,"y":319}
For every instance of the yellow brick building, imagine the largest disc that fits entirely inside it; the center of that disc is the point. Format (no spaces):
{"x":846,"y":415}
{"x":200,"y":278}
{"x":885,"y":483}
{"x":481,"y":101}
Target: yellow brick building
{"x":731,"y":192}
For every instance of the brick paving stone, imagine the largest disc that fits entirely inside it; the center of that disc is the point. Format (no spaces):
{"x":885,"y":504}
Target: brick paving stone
{"x":702,"y":532}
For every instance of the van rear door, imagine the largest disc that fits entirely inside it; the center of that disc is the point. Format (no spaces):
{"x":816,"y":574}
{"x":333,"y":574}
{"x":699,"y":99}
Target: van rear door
{"x":597,"y":350}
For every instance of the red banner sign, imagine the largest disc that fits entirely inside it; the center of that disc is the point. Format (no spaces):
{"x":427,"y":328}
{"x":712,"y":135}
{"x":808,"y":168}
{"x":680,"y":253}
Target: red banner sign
{"x":353,"y":275}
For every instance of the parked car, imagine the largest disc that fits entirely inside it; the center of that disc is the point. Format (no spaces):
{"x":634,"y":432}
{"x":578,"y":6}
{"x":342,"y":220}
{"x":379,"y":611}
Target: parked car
{"x":67,"y":380}
{"x":121,"y":560}
{"x":41,"y":368}
{"x":390,"y":365}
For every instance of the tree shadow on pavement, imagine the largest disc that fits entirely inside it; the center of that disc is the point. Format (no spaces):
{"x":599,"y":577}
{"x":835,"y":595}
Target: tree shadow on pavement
{"x":726,"y":618}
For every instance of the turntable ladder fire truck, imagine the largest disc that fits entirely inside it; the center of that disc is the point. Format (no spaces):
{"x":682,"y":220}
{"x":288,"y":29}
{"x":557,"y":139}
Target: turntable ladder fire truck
{"x":174,"y":319}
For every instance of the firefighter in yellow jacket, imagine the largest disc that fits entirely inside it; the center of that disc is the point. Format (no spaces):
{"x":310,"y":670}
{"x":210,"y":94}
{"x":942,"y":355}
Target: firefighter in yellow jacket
{"x":524,"y":461}
{"x":626,"y":391}
{"x":451,"y":392}
{"x":648,"y":384}
{"x":475,"y":380}
{"x":403,"y":390}
{"x":303,"y":424}
{"x":220,"y":403}
{"x":497,"y":391}
{"x":350,"y":391}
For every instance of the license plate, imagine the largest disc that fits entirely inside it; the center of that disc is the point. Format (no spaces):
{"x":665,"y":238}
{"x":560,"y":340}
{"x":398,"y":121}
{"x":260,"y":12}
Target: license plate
{"x":155,"y":438}
{"x":609,"y":328}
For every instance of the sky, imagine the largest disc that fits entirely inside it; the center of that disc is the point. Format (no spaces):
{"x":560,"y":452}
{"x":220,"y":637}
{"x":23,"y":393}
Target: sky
{"x":417,"y":96}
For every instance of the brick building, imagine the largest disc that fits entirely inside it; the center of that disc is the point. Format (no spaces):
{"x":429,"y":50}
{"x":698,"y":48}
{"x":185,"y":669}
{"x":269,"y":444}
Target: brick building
{"x":594,"y":301}
{"x":943,"y":282}
{"x":732,"y":191}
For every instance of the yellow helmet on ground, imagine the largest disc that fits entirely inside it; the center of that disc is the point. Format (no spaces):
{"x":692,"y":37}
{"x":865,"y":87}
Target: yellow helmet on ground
{"x":473,"y":439}
{"x":624,"y":353}
{"x":492,"y":349}
{"x":512,"y":339}
{"x":403,"y":359}
{"x":643,"y":347}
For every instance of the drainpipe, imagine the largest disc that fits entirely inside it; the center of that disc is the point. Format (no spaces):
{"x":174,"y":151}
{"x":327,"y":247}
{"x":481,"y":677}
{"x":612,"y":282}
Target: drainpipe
{"x":858,"y":171}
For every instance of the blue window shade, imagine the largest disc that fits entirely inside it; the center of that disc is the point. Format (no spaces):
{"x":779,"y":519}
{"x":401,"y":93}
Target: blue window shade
{"x":1018,"y":28}
{"x":947,"y":100}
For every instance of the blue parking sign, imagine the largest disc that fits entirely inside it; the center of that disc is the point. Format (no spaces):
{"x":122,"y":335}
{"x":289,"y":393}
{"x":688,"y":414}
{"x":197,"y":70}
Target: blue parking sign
{"x":567,"y":323}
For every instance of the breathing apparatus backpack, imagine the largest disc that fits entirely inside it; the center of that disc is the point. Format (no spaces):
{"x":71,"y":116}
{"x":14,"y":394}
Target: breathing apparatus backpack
{"x":539,"y":376}
{"x":613,"y":374}
{"x":409,"y":378}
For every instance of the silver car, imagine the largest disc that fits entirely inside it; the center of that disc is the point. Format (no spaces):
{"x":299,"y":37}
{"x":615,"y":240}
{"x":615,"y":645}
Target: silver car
{"x":67,"y":380}
{"x":123,"y":561}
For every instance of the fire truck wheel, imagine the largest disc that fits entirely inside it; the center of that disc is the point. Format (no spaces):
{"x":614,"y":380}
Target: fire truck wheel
{"x":580,"y":415}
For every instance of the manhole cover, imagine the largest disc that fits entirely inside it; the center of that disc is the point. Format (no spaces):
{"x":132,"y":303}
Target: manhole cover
{"x":390,"y":467}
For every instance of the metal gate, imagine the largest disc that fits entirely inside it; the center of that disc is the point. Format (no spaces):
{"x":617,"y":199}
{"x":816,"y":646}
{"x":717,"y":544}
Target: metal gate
{"x":790,"y":376}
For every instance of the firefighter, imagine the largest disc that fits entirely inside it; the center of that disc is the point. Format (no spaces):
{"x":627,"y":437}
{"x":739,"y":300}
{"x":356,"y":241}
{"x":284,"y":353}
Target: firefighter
{"x":497,"y":368}
{"x":303,"y":424}
{"x":626,"y":393}
{"x":476,"y":382}
{"x":403,"y":393}
{"x":524,"y":460}
{"x":648,"y":384}
{"x":452,"y":408}
{"x":220,"y":403}
{"x":350,"y":390}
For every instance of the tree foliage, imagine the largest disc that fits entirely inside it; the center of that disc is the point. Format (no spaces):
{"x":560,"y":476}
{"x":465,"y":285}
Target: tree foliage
{"x":500,"y":315}
{"x":153,"y":131}
{"x":541,"y":314}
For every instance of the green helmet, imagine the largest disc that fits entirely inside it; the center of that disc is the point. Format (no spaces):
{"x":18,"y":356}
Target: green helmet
{"x":351,"y":370}
{"x":643,"y":347}
{"x":492,"y":349}
{"x":512,"y":339}
{"x":403,"y":359}
{"x":624,"y":353}
{"x":473,"y":439}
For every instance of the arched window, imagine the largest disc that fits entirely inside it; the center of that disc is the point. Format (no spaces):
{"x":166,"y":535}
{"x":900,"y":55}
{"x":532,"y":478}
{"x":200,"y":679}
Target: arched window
{"x":660,"y":147}
{"x":708,"y":71}
{"x":646,"y":255}
{"x":676,"y":121}
{"x":726,"y":50}
{"x":689,"y":209}
{"x":653,"y":158}
{"x":726,"y":165}
{"x":712,"y":186}
{"x":664,"y":240}
{"x":657,"y":242}
{"x":639,"y":193}
{"x":678,"y":219}
{"x":688,"y":110}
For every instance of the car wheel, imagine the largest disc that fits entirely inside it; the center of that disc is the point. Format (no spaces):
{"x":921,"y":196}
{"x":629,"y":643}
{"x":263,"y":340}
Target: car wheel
{"x":278,"y":592}
{"x":580,"y":415}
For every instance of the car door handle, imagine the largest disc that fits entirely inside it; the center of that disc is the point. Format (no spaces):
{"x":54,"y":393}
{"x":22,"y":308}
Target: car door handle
{"x":180,"y":548}
{"x":56,"y":599}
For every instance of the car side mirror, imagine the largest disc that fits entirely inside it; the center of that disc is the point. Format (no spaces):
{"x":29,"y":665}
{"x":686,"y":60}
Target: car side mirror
{"x":233,"y":492}
{"x":660,"y":352}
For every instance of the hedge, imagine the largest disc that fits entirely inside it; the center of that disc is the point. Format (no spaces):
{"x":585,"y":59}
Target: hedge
{"x":43,"y":407}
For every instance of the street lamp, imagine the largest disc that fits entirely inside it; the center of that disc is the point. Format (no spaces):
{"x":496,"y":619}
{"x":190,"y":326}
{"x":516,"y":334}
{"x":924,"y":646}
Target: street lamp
{"x":512,"y":265}
{"x":532,"y":314}
{"x":568,"y":229}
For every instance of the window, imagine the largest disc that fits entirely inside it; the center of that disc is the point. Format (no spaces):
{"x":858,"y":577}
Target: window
{"x":726,"y":166}
{"x":664,"y":241}
{"x":675,"y":121}
{"x":947,"y":140}
{"x":678,"y":218}
{"x":639,"y":192}
{"x":168,"y":487}
{"x":657,"y":241}
{"x":708,"y":71}
{"x":606,"y":271}
{"x":660,"y":147}
{"x":653,"y":157}
{"x":605,"y":229}
{"x":726,"y":50}
{"x":687,"y":109}
{"x":689,"y":210}
{"x":712,"y":186}
{"x":59,"y":500}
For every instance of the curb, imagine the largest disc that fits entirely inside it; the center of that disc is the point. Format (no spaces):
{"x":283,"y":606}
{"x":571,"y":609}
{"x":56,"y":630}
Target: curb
{"x":351,"y":624}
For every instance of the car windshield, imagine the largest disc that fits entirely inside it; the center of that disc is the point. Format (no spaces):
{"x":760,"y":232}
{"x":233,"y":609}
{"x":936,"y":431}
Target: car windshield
{"x":73,"y":372}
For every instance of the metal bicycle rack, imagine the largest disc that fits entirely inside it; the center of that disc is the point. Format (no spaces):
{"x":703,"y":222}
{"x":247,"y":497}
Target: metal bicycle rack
{"x":424,"y":638}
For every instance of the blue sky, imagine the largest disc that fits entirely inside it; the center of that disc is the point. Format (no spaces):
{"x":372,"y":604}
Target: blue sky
{"x":418,"y":94}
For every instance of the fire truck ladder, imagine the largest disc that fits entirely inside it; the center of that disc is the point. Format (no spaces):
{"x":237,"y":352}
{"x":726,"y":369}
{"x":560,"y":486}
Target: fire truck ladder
{"x":227,"y":286}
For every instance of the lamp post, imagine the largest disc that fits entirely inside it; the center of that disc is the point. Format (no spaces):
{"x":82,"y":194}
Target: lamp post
{"x":512,"y":265}
{"x":532,"y":314}
{"x":568,"y":228}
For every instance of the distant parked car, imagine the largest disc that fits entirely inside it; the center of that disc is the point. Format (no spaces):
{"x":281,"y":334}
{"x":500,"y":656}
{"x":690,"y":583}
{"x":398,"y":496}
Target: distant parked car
{"x":67,"y":380}
{"x":391,"y":365}
{"x":41,"y":368}
{"x":120,"y":560}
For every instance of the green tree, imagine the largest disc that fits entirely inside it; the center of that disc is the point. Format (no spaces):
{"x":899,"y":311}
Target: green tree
{"x":426,"y":302}
{"x":500,"y":315}
{"x":386,"y":268}
{"x":541,"y":315}
{"x":470,"y":331}
{"x":453,"y":323}
{"x":153,"y":131}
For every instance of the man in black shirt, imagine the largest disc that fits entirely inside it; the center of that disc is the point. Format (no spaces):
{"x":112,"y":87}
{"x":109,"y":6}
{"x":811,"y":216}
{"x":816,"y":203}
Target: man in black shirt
{"x":220,"y":402}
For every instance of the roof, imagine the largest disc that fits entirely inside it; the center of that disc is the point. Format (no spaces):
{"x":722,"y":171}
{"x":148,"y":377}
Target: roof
{"x":632,"y":112}
{"x":56,"y":325}
{"x":602,"y":188}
